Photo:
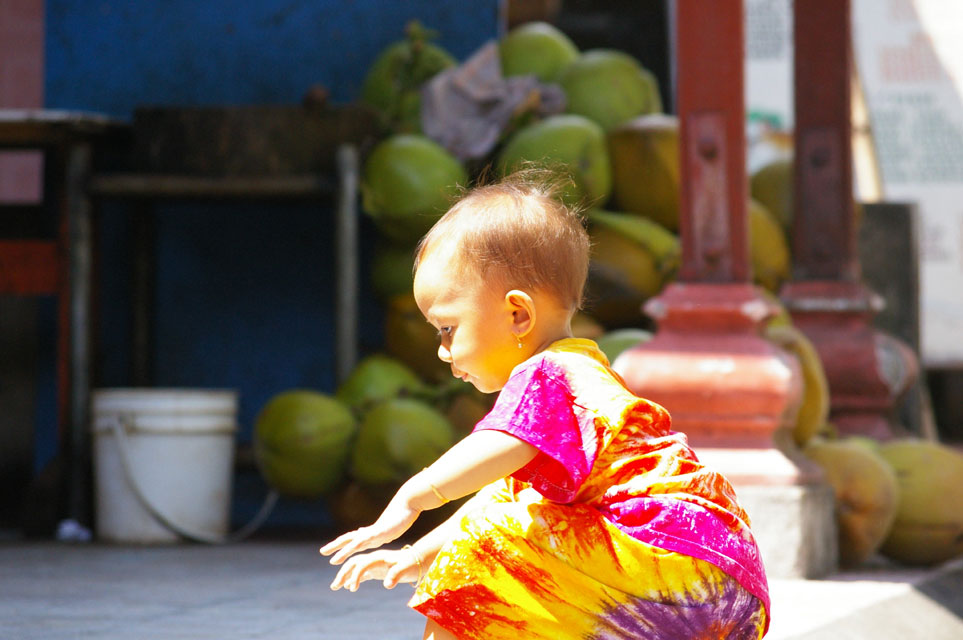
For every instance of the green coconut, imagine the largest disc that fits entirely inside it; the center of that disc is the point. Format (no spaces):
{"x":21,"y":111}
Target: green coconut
{"x":357,"y":505}
{"x":466,"y":409}
{"x":772,"y":186}
{"x":536,"y":48}
{"x":302,"y":440}
{"x":645,"y":168}
{"x":585,"y":326}
{"x":867,"y":495}
{"x":410,"y":339}
{"x":661,"y":243}
{"x":393,"y":82}
{"x":613,"y":343}
{"x":622,"y":276}
{"x":566,"y":142}
{"x":768,"y":248}
{"x":377,"y":378}
{"x":929,"y":522}
{"x":391,"y":273}
{"x":609,"y":87}
{"x":408,"y":182}
{"x":398,"y":438}
{"x":633,"y":259}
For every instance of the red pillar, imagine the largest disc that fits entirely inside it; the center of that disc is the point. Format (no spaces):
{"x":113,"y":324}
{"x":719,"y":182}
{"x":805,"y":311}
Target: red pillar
{"x":732,"y":392}
{"x":867,"y":370}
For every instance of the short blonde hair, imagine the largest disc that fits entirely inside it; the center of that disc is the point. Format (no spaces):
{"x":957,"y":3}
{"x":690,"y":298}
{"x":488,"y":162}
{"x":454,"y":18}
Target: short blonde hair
{"x":518,"y":231}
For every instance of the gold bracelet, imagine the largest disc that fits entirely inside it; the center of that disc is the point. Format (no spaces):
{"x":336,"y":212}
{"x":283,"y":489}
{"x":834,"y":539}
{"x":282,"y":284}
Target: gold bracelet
{"x":417,"y":559}
{"x":435,"y":490}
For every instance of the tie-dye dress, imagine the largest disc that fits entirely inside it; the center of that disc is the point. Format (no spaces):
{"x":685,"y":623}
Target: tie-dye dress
{"x":614,"y":529}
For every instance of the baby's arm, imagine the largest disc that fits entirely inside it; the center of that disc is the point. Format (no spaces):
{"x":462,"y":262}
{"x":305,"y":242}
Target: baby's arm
{"x":431,"y":543}
{"x":401,"y":565}
{"x":476,"y":461}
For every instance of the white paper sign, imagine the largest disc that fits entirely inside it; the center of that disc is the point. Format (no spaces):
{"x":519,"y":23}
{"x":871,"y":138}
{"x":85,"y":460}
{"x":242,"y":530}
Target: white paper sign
{"x":769,"y":61}
{"x":909,"y":55}
{"x":910,"y":58}
{"x":768,"y":81}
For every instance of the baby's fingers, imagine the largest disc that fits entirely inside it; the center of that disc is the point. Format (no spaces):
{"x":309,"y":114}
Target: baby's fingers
{"x":349,"y":578}
{"x":338,"y":543}
{"x":393,"y":577}
{"x":339,"y":579}
{"x":357,"y":570}
{"x":349,"y":544}
{"x":361,"y":542}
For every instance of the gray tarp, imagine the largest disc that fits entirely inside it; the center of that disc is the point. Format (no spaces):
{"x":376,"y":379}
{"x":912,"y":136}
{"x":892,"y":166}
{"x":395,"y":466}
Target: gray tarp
{"x":467,"y":108}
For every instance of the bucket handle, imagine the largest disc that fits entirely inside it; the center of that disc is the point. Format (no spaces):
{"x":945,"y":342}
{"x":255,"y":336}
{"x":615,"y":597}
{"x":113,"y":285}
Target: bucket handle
{"x":119,"y":425}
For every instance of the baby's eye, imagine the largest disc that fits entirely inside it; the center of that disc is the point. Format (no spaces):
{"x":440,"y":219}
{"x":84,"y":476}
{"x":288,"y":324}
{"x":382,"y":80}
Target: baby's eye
{"x":444,"y":332}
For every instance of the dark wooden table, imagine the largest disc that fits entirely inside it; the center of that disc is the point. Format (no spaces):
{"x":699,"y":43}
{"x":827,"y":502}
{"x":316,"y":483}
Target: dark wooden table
{"x":144,"y":190}
{"x":278,"y":153}
{"x":61,"y":265}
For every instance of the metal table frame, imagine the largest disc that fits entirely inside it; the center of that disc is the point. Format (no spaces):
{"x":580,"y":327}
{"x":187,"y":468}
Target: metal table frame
{"x":63,"y":266}
{"x":143,"y":190}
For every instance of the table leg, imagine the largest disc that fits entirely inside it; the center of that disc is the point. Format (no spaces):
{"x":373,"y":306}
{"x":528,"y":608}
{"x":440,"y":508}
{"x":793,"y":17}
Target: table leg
{"x":348,"y":278}
{"x":80,"y":262}
{"x":142,"y":295}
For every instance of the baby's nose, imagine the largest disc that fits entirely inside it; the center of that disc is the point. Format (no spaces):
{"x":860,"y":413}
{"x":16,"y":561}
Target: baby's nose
{"x":443,"y":354}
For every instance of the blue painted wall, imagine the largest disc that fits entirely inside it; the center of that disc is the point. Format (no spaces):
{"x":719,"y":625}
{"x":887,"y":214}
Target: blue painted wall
{"x":111,"y":55}
{"x":244,"y":296}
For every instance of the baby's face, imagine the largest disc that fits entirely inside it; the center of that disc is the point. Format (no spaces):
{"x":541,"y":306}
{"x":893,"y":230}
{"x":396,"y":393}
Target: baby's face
{"x":473,"y":318}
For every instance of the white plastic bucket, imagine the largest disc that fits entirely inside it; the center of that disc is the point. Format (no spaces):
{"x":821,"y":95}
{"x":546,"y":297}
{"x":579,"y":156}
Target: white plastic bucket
{"x":163,"y":462}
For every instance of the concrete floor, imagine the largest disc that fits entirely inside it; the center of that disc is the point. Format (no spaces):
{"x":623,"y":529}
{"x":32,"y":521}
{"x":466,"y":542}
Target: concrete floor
{"x":278,"y":590}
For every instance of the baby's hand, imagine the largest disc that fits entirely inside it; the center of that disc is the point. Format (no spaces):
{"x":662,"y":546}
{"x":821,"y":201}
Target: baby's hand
{"x":391,"y":567}
{"x":395,"y":520}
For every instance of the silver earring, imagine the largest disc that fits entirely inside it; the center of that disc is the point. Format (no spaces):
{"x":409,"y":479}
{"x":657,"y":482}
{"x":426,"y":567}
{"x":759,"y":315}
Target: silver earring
{"x":519,"y":342}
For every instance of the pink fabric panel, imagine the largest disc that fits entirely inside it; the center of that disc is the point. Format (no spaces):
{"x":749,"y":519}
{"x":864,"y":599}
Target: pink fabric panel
{"x":689,"y":529}
{"x":536,"y":406}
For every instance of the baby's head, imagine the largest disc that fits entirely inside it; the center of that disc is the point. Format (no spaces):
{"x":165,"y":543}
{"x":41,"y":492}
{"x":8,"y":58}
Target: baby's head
{"x":500,"y":276}
{"x":516,"y":234}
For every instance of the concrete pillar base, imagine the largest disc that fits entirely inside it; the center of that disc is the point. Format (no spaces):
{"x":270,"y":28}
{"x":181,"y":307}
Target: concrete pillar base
{"x":790,"y":506}
{"x":794,"y":526}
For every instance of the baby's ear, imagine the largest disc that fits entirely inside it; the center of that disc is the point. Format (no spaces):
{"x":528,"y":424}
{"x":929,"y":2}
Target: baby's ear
{"x":522,"y":308}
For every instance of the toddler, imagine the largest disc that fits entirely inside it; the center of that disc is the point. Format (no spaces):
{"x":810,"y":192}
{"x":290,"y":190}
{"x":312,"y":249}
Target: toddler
{"x":592,"y":518}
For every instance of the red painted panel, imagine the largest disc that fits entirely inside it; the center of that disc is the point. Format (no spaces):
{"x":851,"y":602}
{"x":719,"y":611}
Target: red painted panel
{"x":29,"y":267}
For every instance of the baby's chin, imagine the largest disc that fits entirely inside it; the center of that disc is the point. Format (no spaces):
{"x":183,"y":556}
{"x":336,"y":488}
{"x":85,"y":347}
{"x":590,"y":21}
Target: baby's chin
{"x":484,"y":387}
